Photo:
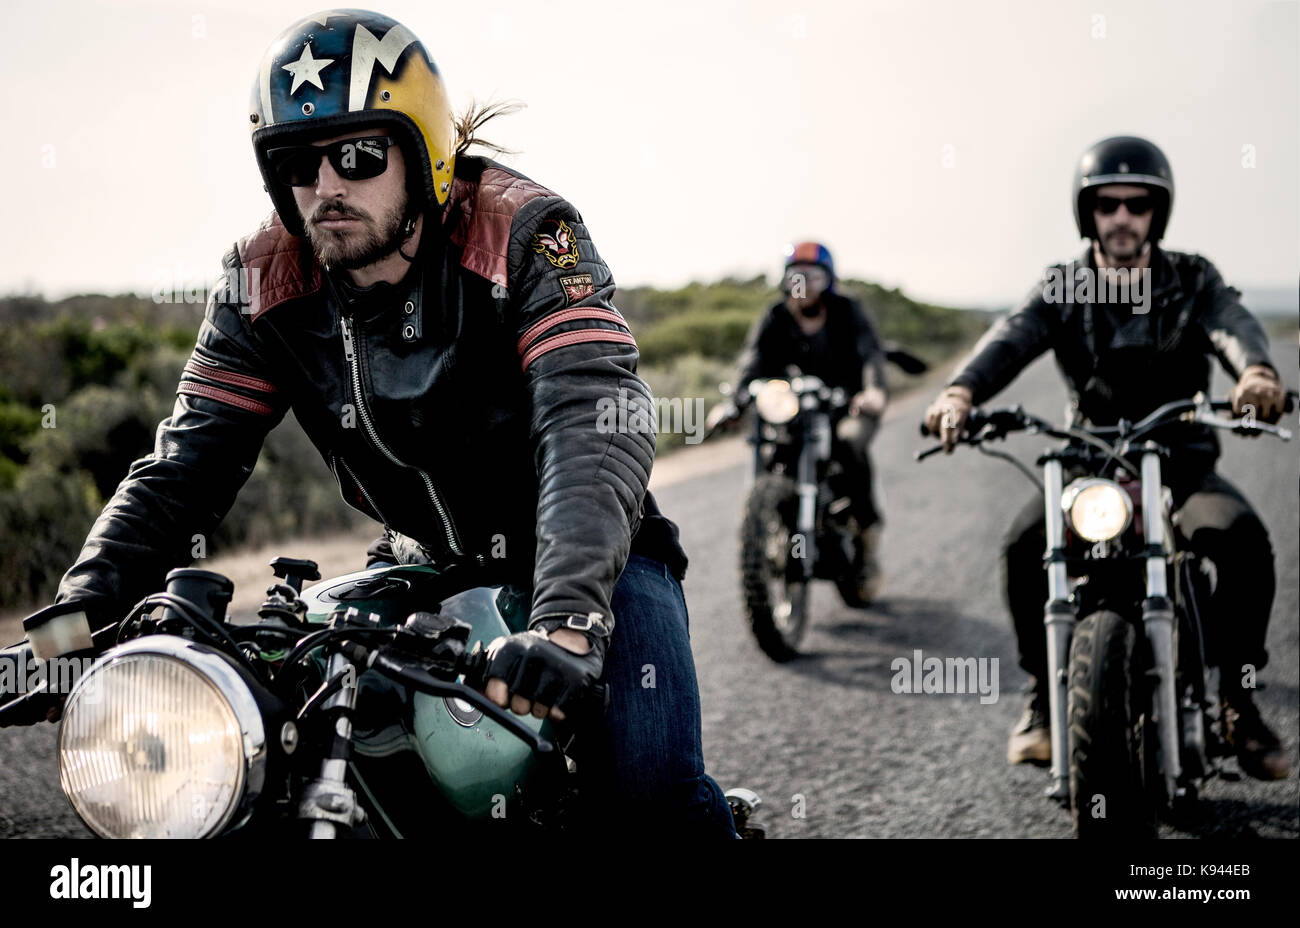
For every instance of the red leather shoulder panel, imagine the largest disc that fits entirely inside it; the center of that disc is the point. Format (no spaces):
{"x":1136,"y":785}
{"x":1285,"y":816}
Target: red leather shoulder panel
{"x":487,"y":211}
{"x":270,"y":258}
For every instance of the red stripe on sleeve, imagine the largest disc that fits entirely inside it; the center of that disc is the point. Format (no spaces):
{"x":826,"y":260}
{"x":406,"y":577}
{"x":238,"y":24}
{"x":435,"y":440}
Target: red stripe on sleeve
{"x":568,"y":315}
{"x":230,"y":377}
{"x":574,"y":338}
{"x":226,"y":396}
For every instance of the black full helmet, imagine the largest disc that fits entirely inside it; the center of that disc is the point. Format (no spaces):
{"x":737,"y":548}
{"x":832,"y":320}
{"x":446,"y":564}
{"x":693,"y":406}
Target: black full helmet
{"x":1124,"y":159}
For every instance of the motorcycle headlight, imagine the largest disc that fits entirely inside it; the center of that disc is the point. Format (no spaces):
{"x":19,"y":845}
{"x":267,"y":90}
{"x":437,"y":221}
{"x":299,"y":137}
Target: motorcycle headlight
{"x":776,"y":402}
{"x":161,"y":738}
{"x":1099,"y":509}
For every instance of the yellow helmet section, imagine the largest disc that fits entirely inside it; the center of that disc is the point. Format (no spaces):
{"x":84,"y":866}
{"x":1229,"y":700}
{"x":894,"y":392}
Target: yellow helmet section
{"x":421,"y":96}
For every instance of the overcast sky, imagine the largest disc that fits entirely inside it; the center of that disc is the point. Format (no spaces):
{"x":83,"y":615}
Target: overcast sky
{"x":930,"y":143}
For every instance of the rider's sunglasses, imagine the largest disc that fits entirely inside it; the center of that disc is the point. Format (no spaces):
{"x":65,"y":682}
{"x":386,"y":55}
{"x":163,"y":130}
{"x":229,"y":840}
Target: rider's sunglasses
{"x":1137,"y":206}
{"x":352,"y":159}
{"x":811,"y":276}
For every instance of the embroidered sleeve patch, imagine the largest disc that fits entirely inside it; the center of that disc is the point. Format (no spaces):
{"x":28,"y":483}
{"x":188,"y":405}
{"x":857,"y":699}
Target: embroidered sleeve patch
{"x":577,"y":287}
{"x":555,"y":239}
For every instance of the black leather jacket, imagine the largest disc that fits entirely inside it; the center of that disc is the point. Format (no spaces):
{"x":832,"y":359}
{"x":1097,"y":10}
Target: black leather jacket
{"x":853,"y":357}
{"x":460,"y":408}
{"x":1120,"y":364}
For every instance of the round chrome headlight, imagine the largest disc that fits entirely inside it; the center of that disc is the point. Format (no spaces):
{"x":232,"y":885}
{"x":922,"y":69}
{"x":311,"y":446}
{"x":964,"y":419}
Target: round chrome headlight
{"x":776,"y":402}
{"x":161,"y":738}
{"x":1099,"y":509}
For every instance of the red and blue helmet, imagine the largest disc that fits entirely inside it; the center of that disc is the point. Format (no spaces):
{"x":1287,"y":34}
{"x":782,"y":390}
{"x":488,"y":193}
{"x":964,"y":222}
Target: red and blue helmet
{"x":811,"y":253}
{"x":339,"y":69}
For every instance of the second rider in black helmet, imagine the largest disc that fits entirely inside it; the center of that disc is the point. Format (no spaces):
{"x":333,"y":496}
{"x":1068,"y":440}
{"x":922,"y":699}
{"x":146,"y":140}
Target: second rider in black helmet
{"x":1122,"y":360}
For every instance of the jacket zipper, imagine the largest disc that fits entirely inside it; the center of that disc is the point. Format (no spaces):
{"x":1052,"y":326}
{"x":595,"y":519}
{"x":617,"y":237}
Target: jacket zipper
{"x":354,"y":365}
{"x":364,"y":495}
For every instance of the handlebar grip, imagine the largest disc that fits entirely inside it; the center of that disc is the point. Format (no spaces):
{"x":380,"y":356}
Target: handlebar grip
{"x":15,"y":658}
{"x":1288,"y":403}
{"x":590,"y":704}
{"x":21,"y":707}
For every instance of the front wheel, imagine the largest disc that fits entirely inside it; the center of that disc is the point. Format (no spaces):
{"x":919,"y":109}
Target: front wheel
{"x":776,"y":596}
{"x":1110,"y":741}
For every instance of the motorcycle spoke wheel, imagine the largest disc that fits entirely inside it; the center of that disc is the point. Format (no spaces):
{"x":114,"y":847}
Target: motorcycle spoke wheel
{"x":777,"y":607}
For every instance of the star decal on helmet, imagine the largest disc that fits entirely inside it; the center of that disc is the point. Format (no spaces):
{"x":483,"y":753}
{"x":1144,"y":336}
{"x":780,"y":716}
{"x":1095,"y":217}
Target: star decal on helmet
{"x":306,"y":70}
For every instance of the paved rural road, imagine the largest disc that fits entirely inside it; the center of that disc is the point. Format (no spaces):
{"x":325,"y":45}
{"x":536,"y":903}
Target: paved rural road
{"x":824,"y":735}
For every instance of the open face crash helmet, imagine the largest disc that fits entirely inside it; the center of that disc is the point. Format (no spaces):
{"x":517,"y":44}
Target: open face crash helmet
{"x":809,"y":253}
{"x":1124,"y":159}
{"x":340,"y":69}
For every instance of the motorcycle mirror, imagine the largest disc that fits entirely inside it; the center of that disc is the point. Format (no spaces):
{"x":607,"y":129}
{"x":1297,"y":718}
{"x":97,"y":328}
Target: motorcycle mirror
{"x":905,"y":361}
{"x":295,"y":570}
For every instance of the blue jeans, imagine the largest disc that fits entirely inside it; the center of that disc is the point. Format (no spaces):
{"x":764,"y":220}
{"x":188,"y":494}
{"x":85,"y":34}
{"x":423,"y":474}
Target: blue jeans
{"x":643,"y":771}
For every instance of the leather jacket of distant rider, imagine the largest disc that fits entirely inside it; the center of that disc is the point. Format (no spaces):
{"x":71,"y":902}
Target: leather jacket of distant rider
{"x":461,"y":408}
{"x":1122,"y":364}
{"x":854,"y":358}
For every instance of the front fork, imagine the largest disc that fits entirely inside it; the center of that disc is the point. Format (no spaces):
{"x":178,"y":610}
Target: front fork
{"x":816,"y":448}
{"x":1058,"y":616}
{"x":1158,"y":620}
{"x":327,"y":802}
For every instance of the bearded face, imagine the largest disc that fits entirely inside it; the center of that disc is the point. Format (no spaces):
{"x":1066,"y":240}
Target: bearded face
{"x":351,"y":224}
{"x":1123,"y":214}
{"x":345,"y":236}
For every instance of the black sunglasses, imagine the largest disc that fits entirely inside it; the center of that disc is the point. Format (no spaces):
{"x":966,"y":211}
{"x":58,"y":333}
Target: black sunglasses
{"x":352,"y":159}
{"x":1136,"y":206}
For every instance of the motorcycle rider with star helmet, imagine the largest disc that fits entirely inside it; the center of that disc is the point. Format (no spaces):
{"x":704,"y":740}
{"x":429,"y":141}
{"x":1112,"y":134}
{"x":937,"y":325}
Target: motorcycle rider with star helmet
{"x":444,"y":331}
{"x":1122,"y":360}
{"x":827,"y":334}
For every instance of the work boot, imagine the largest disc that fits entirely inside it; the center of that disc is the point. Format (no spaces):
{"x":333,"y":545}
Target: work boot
{"x":1258,"y":750}
{"x":870,"y":578}
{"x":1031,"y":739}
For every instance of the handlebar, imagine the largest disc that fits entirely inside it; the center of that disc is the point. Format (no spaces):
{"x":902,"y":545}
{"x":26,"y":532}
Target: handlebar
{"x":982,"y":426}
{"x":428,"y":653}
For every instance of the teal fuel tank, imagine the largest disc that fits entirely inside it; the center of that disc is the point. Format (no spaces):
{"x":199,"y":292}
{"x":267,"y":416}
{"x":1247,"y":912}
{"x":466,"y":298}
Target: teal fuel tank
{"x":475,"y":764}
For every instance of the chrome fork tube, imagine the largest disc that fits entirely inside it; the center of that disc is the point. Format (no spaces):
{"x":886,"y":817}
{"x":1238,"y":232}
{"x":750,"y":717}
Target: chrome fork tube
{"x":328,"y":802}
{"x":1158,"y":620}
{"x":809,"y":455}
{"x":1058,"y":617}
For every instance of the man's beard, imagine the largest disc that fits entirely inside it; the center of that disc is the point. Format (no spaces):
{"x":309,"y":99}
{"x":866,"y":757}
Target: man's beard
{"x":350,"y":250}
{"x":1125,"y":252}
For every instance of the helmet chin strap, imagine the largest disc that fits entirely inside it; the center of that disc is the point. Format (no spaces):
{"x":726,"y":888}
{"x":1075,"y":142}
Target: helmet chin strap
{"x":408,"y":229}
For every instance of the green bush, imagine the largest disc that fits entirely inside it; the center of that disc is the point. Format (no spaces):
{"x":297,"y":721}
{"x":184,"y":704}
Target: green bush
{"x":45,"y":517}
{"x":713,"y":333}
{"x":17,"y":424}
{"x":688,"y":378}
